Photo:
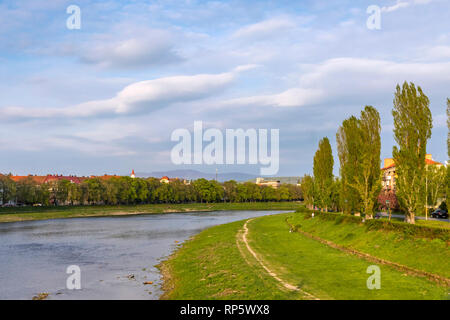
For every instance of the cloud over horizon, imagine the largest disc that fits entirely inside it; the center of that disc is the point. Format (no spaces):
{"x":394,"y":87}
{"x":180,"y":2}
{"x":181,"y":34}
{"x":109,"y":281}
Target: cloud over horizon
{"x":107,"y":97}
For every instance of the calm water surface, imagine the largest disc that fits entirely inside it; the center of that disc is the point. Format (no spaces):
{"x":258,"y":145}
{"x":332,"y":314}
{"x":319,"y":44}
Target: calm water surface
{"x":115,"y":254}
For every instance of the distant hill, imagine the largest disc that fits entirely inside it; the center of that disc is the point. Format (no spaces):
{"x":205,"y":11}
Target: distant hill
{"x":194,"y":174}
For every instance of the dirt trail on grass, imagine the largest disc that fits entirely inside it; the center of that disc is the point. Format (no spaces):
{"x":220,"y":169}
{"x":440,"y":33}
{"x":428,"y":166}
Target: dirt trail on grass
{"x":408,"y":270}
{"x":243,"y":237}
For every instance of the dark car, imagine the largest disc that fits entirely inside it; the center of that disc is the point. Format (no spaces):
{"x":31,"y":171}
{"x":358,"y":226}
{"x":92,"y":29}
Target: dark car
{"x":440,"y":214}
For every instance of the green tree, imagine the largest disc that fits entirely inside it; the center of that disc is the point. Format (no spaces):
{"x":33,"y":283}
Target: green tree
{"x":111,"y":190}
{"x":448,"y":128}
{"x":7,"y":189}
{"x":152,"y":185}
{"x":208,"y":191}
{"x":230,"y":188}
{"x":323,"y":173}
{"x":141,"y":190}
{"x":95,"y":190}
{"x":253,"y":191}
{"x":348,"y":141}
{"x":28,"y":191}
{"x":269,"y":194}
{"x":126,"y":190}
{"x":447,"y":191}
{"x":307,"y":185}
{"x":436,"y":183}
{"x":284,"y":193}
{"x":164,"y":193}
{"x":60,"y":191}
{"x":336,"y":195}
{"x":412,"y":129}
{"x":367,"y":180}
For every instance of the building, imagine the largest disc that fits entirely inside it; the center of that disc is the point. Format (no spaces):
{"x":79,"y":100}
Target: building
{"x":49,"y":178}
{"x":269,"y":183}
{"x":389,"y":173}
{"x":164,"y":179}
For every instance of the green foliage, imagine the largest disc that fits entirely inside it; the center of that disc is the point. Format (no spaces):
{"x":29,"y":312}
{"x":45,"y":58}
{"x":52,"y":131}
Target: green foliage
{"x":412,"y":129}
{"x":7,"y":189}
{"x":133,"y":191}
{"x":410,"y":230}
{"x":323,"y":173}
{"x":435,"y":184}
{"x":308,"y":191}
{"x":359,"y":146}
{"x":448,"y":127}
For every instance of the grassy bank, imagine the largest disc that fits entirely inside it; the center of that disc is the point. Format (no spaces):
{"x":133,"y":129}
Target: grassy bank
{"x":423,"y":251}
{"x":215,"y":264}
{"x":56,"y":212}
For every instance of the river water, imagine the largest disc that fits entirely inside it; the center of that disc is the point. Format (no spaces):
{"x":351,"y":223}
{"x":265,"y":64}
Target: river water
{"x":116,"y":255}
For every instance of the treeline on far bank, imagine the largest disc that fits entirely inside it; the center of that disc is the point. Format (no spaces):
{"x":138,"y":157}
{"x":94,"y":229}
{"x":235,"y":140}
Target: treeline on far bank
{"x":127,"y":190}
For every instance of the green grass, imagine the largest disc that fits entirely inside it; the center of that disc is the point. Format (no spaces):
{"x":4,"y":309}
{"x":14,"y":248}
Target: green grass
{"x":210,"y":266}
{"x":424,"y":254}
{"x":433,"y":223}
{"x":40,"y":213}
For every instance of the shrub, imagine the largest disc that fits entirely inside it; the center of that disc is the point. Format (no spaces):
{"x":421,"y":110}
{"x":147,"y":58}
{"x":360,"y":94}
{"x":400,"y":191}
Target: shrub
{"x":406,"y":229}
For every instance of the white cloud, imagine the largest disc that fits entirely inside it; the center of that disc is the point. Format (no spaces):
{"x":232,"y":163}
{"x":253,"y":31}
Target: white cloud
{"x":152,"y":47}
{"x":143,"y":96}
{"x":438,"y":52}
{"x":351,"y":80}
{"x":264,"y":29}
{"x":403,"y":4}
{"x":295,"y":97}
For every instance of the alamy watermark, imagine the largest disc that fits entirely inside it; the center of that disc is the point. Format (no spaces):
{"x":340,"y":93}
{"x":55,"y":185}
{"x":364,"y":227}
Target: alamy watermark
{"x":374,"y":20}
{"x":74,"y":20}
{"x":374,"y":281}
{"x":229,"y":148}
{"x":73,"y":281}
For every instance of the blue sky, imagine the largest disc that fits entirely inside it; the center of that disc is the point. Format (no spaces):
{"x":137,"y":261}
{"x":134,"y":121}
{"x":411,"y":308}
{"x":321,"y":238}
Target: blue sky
{"x":105,"y":98}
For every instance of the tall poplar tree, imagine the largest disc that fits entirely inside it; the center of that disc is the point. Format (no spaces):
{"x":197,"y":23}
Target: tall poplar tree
{"x":448,"y":127}
{"x":323,"y":173}
{"x":368,"y":178}
{"x":359,"y":146}
{"x":448,"y":151}
{"x":412,"y":129}
{"x":348,"y":142}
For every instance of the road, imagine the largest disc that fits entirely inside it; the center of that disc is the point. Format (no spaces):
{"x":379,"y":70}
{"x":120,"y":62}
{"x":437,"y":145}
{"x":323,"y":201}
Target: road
{"x":385,"y":214}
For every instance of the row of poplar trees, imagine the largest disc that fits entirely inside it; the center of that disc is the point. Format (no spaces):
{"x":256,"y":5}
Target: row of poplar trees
{"x":359,"y":145}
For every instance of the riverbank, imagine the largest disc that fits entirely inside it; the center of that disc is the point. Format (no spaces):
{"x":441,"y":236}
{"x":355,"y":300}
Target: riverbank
{"x":261,"y":259}
{"x":14,"y":214}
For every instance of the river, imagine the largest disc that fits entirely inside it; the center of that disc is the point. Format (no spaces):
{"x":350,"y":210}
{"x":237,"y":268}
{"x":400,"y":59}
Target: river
{"x":116,"y":255}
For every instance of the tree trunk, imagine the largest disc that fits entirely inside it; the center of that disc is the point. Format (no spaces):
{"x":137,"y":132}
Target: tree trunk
{"x":410,"y":218}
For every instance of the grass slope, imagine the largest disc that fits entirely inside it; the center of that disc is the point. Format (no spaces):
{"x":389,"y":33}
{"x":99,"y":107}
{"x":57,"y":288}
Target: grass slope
{"x":420,"y":253}
{"x":211,"y":266}
{"x":41,"y":213}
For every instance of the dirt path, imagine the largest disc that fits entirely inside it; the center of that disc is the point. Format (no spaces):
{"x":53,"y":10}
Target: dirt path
{"x":243,"y":235}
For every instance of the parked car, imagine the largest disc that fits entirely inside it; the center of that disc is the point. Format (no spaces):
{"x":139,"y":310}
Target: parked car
{"x":440,"y":214}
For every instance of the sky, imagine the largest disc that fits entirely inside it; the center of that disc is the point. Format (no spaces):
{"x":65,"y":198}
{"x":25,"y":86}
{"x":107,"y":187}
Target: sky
{"x":105,"y":98}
